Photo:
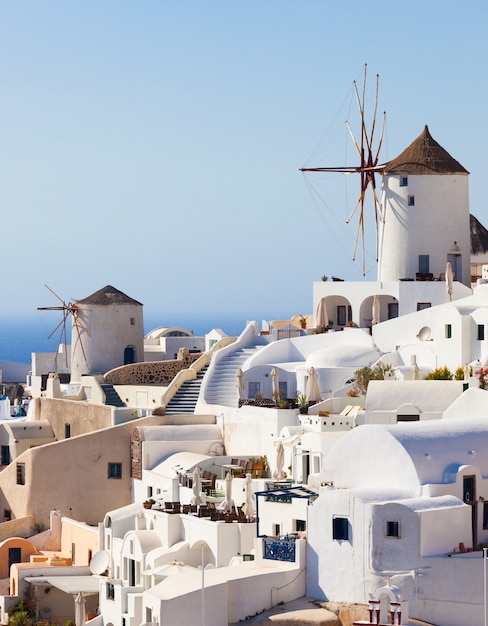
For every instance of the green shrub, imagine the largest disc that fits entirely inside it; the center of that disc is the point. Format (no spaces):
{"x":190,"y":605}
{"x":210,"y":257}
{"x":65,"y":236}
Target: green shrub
{"x":440,"y":373}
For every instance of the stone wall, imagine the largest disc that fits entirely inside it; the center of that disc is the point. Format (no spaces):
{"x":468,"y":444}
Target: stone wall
{"x":152,"y":372}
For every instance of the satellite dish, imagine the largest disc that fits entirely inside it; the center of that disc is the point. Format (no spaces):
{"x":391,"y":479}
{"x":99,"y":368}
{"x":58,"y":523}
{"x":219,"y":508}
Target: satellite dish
{"x":424,"y":334}
{"x":100,"y":562}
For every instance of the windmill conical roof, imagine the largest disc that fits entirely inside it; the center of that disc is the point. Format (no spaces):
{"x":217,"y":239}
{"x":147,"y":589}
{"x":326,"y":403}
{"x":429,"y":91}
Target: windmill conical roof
{"x":108,"y":295}
{"x":479,"y":236}
{"x":424,"y":156}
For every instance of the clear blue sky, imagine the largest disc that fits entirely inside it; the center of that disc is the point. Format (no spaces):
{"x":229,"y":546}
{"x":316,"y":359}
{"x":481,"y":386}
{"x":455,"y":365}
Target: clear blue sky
{"x":155,"y":145}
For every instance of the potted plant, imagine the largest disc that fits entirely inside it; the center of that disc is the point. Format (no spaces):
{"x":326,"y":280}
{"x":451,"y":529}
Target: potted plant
{"x":303,"y":321}
{"x":148,"y":504}
{"x":302,"y":402}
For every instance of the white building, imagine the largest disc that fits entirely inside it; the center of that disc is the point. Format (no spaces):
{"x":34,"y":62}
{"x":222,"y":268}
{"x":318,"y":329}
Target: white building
{"x":403,"y":504}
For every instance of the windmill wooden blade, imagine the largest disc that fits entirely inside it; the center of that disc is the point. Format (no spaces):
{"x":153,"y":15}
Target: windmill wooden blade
{"x":367,"y":168}
{"x":67,"y":309}
{"x":54,"y":294}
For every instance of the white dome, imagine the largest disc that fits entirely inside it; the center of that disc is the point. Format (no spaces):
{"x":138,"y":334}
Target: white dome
{"x":342,"y":356}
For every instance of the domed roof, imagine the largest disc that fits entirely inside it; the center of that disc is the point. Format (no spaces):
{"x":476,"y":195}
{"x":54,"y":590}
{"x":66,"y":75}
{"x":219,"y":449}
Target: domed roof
{"x":342,"y":356}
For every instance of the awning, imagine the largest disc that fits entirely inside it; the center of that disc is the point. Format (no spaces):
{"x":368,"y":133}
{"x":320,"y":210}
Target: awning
{"x":68,"y":584}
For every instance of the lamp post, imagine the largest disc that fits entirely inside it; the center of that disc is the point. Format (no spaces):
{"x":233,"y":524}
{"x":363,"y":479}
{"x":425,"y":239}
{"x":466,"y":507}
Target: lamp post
{"x":485,"y":557}
{"x":203,"y":583}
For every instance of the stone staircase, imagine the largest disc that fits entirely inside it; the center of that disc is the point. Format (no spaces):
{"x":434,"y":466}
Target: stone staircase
{"x":185,"y":399}
{"x":222,"y":387}
{"x":112,"y":398}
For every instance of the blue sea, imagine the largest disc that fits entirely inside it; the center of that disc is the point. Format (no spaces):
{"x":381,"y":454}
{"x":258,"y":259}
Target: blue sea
{"x":22,"y":335}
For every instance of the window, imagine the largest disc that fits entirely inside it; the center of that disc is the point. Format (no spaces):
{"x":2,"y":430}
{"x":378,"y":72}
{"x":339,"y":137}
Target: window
{"x":403,"y":181}
{"x":132,"y":321}
{"x":283,"y":387}
{"x":485,"y":515}
{"x":340,"y":528}
{"x":392,"y":529}
{"x":341,"y":314}
{"x":14,"y":556}
{"x":423,"y":305}
{"x":392,"y":310}
{"x":7,"y":515}
{"x":115,"y":470}
{"x":21,"y":473}
{"x":110,"y":591}
{"x":448,"y":331}
{"x":300,"y":525}
{"x":469,"y":489}
{"x":424,"y":263}
{"x":481,"y":332}
{"x":408,"y":417}
{"x":253,"y":388}
{"x":411,"y":201}
{"x":5,"y":455}
{"x":67,"y":431}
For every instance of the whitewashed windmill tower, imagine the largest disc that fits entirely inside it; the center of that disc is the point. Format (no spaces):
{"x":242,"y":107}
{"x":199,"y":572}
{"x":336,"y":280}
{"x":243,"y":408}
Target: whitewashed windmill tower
{"x":422,"y":216}
{"x":107,"y":332}
{"x":424,"y":211}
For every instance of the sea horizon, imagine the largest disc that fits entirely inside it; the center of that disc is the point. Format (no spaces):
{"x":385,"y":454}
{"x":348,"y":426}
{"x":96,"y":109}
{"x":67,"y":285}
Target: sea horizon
{"x":20,"y":335}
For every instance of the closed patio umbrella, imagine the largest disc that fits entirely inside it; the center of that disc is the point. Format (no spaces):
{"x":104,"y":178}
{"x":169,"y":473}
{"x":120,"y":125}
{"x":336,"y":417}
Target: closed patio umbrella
{"x":321,"y":316}
{"x":275,"y":384}
{"x":376,"y":310}
{"x":416,"y":372}
{"x":240,"y":382}
{"x":313,"y":390}
{"x":278,"y":474}
{"x":248,"y":508}
{"x":80,"y":615}
{"x":228,"y":503}
{"x":449,"y":279}
{"x":197,"y":497}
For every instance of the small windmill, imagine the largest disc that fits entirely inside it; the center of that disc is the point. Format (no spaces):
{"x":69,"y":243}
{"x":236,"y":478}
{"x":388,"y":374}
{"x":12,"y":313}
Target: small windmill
{"x":368,"y":166}
{"x":68,"y":309}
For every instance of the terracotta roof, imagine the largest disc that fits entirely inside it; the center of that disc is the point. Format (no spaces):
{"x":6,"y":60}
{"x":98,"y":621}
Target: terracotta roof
{"x":424,"y":156}
{"x":479,"y":236}
{"x":108,"y":295}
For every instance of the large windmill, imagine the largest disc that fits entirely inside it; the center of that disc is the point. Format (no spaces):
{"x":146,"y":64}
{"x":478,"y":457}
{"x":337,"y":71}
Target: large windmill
{"x":68,"y":309}
{"x":366,"y":168}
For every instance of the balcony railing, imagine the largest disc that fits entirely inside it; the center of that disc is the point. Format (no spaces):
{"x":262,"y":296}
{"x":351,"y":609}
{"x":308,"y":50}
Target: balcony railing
{"x":278,"y":549}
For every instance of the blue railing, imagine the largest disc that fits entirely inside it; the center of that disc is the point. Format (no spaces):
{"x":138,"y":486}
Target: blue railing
{"x":278,"y":549}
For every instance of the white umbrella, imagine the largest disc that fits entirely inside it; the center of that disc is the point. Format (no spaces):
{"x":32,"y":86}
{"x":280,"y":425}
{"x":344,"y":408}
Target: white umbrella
{"x":376,"y":310}
{"x":275,"y":384}
{"x":322,"y":315}
{"x":449,"y":279}
{"x":198,"y":497}
{"x":313,"y":390}
{"x":278,"y":474}
{"x":228,"y":502}
{"x":240,"y":382}
{"x":80,"y":615}
{"x":248,"y":508}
